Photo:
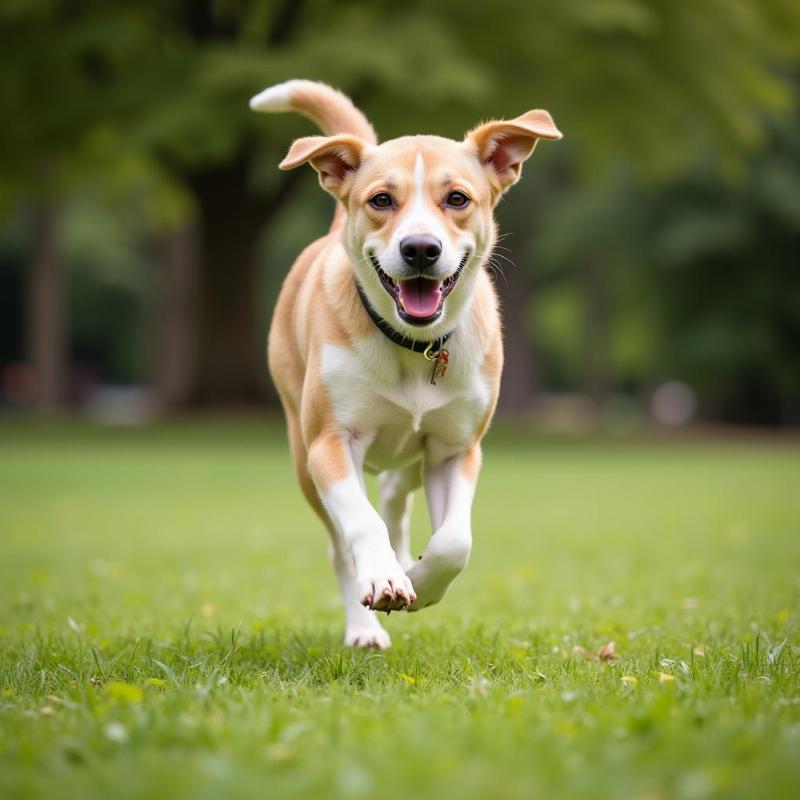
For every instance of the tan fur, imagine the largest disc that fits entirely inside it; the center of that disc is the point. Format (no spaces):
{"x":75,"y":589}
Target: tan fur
{"x":332,"y":111}
{"x":470,"y":463}
{"x":305,"y":317}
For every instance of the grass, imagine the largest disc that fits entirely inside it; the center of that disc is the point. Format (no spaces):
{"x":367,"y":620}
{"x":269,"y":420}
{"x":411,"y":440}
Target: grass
{"x":170,"y":627}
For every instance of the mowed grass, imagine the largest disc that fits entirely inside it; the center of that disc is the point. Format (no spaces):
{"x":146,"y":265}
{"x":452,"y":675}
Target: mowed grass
{"x":170,"y":626}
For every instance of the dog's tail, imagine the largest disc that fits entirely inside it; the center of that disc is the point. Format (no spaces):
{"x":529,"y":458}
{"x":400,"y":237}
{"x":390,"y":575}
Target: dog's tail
{"x":332,"y":111}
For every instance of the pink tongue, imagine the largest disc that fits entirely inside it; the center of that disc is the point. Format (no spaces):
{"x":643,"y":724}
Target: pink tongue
{"x":420,"y":296}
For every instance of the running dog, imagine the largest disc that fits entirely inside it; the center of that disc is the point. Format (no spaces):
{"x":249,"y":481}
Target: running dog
{"x":386,"y":346}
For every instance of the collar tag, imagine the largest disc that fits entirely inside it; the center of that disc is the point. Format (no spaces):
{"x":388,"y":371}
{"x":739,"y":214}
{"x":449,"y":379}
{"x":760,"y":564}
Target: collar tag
{"x":440,"y":360}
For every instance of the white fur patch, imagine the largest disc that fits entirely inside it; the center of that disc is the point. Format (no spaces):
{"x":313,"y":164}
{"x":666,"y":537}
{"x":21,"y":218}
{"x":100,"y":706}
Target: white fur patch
{"x":418,"y":217}
{"x":419,"y":180}
{"x":385,"y":393}
{"x":274,"y":98}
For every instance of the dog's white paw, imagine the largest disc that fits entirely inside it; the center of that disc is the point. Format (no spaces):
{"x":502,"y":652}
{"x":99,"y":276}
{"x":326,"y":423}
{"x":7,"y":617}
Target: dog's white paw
{"x":383,"y":586}
{"x":367,"y":636}
{"x":431,"y":585}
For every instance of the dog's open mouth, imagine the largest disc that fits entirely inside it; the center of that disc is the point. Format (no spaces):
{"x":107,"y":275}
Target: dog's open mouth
{"x":419,"y":300}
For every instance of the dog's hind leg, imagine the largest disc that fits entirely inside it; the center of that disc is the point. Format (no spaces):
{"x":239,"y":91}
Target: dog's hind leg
{"x":397,"y":499}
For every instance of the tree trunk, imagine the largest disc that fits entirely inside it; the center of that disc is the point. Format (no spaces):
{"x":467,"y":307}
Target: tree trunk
{"x":231,"y":341}
{"x":518,"y":386}
{"x":176,"y":254}
{"x":46,"y":323}
{"x":230,"y":367}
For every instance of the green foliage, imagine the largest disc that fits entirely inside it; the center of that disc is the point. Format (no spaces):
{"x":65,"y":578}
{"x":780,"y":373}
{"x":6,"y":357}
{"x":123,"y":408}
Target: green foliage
{"x":130,"y":102}
{"x":110,"y":282}
{"x":701,"y":279}
{"x":647,"y":79}
{"x":738,"y":340}
{"x":169,"y":626}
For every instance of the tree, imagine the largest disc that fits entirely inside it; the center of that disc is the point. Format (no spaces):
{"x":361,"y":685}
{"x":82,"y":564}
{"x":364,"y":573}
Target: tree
{"x":52,"y":90}
{"x":166,"y":83}
{"x":647,"y":83}
{"x":725,"y":265}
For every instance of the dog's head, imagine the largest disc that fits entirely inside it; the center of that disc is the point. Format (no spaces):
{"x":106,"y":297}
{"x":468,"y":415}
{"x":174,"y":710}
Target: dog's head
{"x":420,"y":223}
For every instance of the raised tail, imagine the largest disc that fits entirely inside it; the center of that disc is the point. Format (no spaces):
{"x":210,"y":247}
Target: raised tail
{"x":332,"y":111}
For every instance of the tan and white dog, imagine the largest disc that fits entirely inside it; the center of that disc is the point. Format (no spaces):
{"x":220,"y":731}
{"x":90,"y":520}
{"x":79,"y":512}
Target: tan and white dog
{"x":386,"y":346}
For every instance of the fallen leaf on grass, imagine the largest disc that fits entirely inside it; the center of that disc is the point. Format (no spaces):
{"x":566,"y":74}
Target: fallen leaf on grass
{"x":608,"y":652}
{"x":699,"y":650}
{"x":665,"y":677}
{"x":47,"y":711}
{"x":408,"y":679}
{"x":629,"y":680}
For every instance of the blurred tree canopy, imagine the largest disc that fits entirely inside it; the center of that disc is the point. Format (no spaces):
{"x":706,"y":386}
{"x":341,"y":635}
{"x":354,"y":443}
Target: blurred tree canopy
{"x":139,"y":111}
{"x":701,"y":282}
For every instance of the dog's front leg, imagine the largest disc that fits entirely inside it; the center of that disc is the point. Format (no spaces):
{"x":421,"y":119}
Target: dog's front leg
{"x":335,"y":465}
{"x":449,"y":488}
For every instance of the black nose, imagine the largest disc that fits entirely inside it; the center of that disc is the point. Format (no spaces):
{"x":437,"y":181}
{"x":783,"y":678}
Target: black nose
{"x":421,"y":252}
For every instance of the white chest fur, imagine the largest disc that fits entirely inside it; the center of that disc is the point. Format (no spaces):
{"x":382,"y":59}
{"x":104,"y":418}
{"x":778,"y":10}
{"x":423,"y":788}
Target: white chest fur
{"x":383,"y":392}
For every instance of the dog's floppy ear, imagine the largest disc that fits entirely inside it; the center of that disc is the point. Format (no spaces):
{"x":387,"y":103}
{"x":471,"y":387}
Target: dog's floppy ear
{"x":335,"y":158}
{"x":503,"y":145}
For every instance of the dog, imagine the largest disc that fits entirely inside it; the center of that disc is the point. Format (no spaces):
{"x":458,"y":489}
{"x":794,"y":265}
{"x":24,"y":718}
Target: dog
{"x":385,"y":345}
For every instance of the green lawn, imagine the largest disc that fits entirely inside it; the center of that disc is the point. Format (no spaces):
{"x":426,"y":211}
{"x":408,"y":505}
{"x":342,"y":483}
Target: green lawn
{"x":170,"y":627}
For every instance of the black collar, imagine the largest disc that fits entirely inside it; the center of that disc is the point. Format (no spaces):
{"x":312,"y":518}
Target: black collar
{"x":395,"y":336}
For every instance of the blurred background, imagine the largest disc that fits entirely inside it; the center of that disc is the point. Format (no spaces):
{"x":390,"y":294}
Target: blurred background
{"x":649,"y":268}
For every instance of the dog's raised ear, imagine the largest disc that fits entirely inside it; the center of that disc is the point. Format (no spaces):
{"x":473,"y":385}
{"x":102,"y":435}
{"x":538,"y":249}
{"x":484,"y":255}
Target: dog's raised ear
{"x":503,"y":145}
{"x":335,"y":158}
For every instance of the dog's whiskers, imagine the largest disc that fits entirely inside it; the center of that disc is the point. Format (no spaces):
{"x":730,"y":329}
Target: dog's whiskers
{"x":492,"y":261}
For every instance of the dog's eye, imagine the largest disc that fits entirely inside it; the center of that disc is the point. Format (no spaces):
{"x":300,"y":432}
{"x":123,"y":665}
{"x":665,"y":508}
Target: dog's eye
{"x":457,"y":200}
{"x":381,"y":201}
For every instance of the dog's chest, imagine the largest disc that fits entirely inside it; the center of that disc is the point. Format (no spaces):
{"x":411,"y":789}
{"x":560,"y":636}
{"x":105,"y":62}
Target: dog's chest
{"x":389,"y":397}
